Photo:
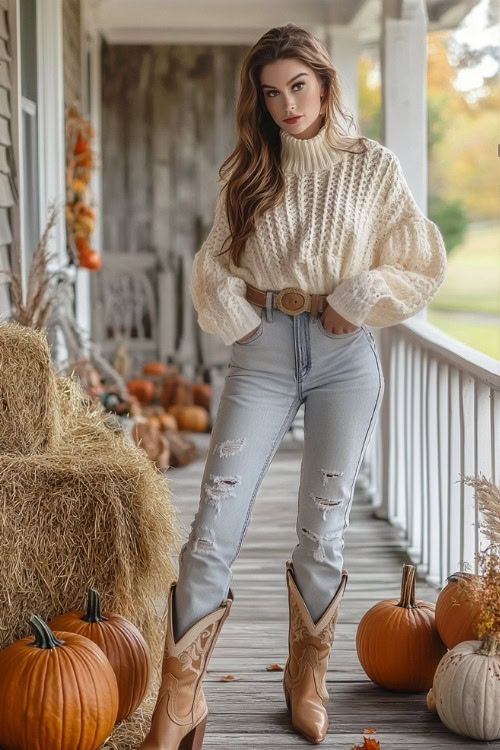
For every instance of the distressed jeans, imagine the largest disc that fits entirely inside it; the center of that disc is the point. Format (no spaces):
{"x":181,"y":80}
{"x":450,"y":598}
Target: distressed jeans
{"x":289,"y":360}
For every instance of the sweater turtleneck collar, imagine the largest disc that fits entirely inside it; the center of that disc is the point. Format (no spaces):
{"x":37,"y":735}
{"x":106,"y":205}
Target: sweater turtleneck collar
{"x":306,"y":155}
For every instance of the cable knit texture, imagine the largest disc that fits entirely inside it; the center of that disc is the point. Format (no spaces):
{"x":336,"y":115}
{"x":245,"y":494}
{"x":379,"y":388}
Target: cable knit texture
{"x":348,"y":226}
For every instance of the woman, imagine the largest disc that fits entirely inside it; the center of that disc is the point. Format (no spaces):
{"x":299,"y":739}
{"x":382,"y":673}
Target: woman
{"x":323,"y":239}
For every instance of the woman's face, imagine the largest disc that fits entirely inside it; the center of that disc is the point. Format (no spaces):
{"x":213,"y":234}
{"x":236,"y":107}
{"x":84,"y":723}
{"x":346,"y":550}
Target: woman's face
{"x":291,"y":88}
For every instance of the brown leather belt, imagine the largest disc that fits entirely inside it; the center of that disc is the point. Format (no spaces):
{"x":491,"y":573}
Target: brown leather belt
{"x":290,"y":300}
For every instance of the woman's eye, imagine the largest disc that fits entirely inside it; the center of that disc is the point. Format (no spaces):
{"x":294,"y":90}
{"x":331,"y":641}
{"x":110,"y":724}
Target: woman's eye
{"x":273,"y":91}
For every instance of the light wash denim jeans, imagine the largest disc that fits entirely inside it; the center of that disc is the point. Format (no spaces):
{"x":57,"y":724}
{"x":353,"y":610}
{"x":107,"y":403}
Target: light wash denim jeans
{"x":289,"y":360}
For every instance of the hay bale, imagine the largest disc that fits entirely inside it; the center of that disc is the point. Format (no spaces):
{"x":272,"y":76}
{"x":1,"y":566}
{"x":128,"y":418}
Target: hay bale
{"x":129,"y":733}
{"x":29,"y":416}
{"x":93,"y":512}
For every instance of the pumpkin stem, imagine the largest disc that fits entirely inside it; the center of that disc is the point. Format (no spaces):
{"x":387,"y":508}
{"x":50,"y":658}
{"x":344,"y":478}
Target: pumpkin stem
{"x":408,"y":588}
{"x":94,"y":608}
{"x":44,"y":637}
{"x":490,"y":645}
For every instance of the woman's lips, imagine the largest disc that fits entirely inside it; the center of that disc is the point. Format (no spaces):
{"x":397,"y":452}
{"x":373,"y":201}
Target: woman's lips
{"x":291,"y":120}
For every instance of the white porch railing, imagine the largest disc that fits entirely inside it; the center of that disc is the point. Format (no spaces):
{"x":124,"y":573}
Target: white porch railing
{"x":440,"y":420}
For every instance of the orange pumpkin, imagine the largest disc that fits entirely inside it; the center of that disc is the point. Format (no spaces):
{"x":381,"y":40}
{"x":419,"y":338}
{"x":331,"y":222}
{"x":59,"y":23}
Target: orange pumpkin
{"x":57,"y":690}
{"x":142,"y":389}
{"x":127,"y":651}
{"x":90,"y":259}
{"x":193,"y":418}
{"x":456,"y":614}
{"x":397,"y":641}
{"x":155,"y":368}
{"x":81,"y":145}
{"x":79,"y":186}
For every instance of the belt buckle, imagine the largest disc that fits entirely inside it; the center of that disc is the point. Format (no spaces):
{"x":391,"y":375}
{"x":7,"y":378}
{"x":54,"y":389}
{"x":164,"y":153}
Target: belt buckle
{"x":294,"y":290}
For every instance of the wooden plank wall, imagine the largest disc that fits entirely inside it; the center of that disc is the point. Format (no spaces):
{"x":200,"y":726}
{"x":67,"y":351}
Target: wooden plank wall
{"x":167,"y":126}
{"x":71,"y":53}
{"x":8,"y":188}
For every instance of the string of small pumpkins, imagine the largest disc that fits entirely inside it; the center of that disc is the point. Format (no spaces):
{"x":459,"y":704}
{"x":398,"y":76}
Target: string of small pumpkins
{"x":411,"y":645}
{"x":67,"y":685}
{"x":80,"y":216}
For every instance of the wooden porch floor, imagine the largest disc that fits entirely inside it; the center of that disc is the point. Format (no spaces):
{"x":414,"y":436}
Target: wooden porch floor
{"x":250,"y":712}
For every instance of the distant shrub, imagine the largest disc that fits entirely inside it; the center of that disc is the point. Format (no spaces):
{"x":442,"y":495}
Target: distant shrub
{"x":450,"y":217}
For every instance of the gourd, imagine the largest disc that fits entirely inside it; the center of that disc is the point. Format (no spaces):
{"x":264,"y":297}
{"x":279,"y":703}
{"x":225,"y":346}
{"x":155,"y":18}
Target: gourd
{"x":123,"y":644}
{"x":456,"y":614}
{"x":57,"y":691}
{"x":397,"y":641}
{"x":466,"y":689}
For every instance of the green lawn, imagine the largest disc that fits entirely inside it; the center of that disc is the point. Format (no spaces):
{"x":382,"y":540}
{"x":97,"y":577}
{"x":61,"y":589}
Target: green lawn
{"x":472,"y":284}
{"x":482,"y":336}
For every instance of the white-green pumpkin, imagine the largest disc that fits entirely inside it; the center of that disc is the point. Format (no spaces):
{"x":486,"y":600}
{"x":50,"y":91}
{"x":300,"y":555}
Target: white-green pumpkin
{"x":466,"y":689}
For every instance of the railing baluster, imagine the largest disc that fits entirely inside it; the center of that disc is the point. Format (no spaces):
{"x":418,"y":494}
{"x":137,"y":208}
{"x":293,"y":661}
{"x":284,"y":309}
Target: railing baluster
{"x":444,"y":452}
{"x":416,"y":511}
{"x":432,"y":461}
{"x":454,"y":517}
{"x":407,"y":439}
{"x":468,"y":468}
{"x":422,"y":568}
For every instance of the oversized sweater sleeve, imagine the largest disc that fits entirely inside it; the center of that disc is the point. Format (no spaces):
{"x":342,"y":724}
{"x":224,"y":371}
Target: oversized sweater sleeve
{"x":408,"y":263}
{"x":218,"y":296}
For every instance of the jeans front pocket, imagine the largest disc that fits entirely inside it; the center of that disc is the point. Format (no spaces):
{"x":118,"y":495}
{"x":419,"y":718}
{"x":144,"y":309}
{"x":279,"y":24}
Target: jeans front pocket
{"x":331,"y":335}
{"x":258,"y":331}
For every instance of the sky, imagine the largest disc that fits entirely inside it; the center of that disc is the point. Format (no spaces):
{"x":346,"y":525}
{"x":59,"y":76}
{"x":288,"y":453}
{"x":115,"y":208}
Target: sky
{"x":475,"y":32}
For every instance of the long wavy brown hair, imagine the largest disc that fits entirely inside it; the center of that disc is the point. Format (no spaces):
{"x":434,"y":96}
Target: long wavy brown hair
{"x":256,"y":181}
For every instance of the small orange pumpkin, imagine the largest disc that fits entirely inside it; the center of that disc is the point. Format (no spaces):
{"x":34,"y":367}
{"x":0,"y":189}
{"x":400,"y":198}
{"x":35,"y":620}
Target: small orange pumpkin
{"x":456,"y":614}
{"x":81,"y":145}
{"x":397,"y":641}
{"x":79,"y":186}
{"x":123,"y":644}
{"x":193,"y":418}
{"x":155,"y":368}
{"x":57,"y":690}
{"x":142,"y":389}
{"x":90,"y":259}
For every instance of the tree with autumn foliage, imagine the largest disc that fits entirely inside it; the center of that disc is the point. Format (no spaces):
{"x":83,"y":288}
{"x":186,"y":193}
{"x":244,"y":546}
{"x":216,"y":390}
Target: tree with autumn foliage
{"x":461,"y":134}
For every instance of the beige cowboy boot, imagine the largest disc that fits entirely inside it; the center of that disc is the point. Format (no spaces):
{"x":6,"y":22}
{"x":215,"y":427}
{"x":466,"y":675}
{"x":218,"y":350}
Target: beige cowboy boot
{"x":181,"y":710}
{"x":304,"y":679}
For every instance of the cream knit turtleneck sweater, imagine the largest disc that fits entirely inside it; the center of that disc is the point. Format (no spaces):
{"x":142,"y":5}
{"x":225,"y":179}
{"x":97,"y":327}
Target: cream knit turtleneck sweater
{"x":348,"y":227}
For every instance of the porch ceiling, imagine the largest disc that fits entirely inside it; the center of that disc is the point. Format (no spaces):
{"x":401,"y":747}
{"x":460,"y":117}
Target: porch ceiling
{"x":243,"y":21}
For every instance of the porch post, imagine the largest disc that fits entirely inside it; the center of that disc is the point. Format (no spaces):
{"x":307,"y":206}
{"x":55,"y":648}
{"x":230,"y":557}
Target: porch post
{"x":51,"y":120}
{"x":404,"y":90}
{"x":344,"y":48}
{"x":403,"y":54}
